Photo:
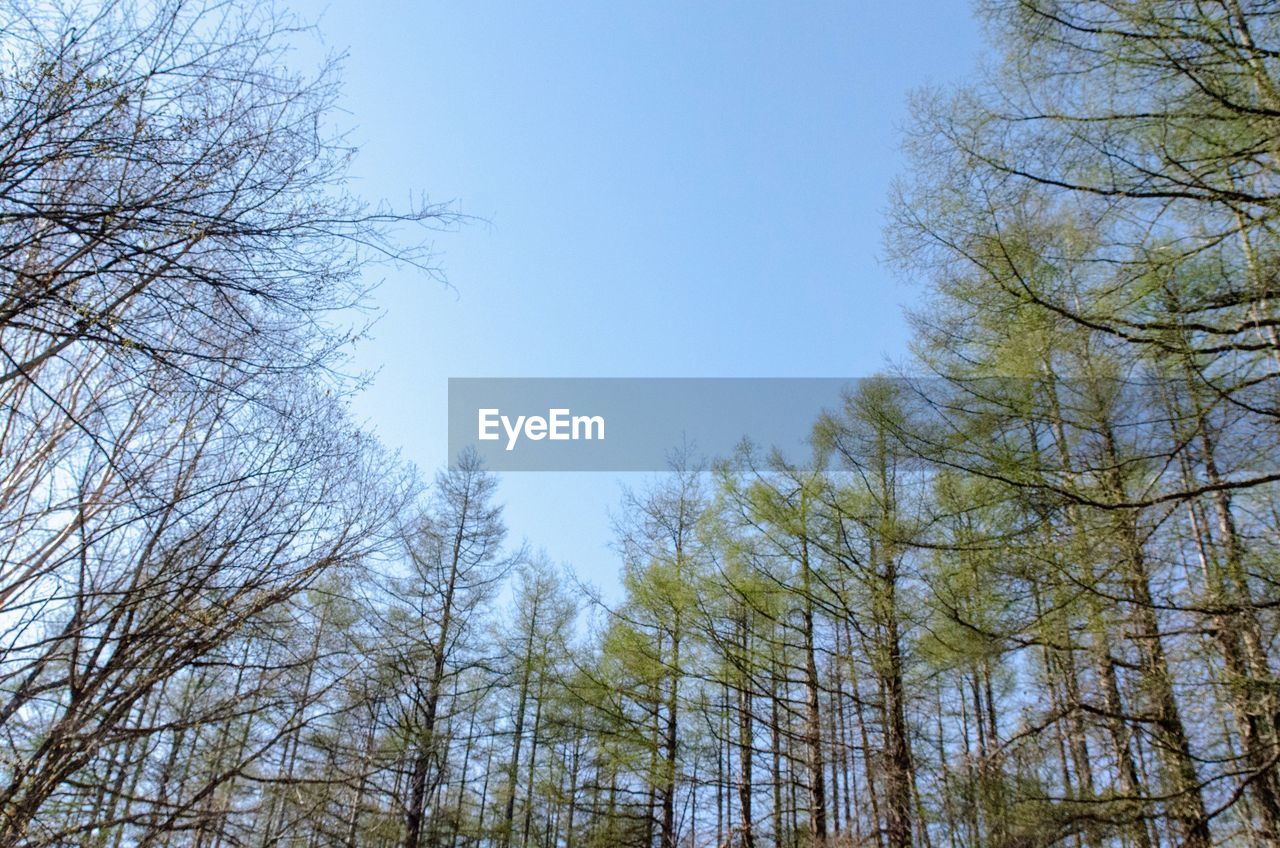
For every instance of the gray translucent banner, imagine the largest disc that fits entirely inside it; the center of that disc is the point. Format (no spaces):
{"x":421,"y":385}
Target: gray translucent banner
{"x":631,"y":424}
{"x":636,"y":424}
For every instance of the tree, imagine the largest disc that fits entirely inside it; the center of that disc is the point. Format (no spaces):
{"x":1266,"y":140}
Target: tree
{"x":537,"y":645}
{"x":456,"y":563}
{"x":177,"y":464}
{"x":659,"y":544}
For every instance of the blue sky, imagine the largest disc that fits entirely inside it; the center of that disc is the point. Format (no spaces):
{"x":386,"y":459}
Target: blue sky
{"x":667,"y":189}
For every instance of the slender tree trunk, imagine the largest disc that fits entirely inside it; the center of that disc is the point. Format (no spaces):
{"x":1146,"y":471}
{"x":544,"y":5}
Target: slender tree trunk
{"x":533,"y":761}
{"x":813,"y":714}
{"x":775,"y":747}
{"x":746,"y":738}
{"x":670,"y":743}
{"x":1186,"y":804}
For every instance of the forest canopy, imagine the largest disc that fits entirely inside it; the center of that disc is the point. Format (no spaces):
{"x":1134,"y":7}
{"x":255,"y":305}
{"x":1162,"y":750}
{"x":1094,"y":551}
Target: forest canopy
{"x":1027,"y":597}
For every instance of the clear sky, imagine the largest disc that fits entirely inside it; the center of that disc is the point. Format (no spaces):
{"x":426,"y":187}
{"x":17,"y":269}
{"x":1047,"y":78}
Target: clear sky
{"x":670,"y":189}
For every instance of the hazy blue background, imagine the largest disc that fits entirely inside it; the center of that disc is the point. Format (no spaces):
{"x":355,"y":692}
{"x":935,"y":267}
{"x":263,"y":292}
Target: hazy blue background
{"x":672,"y":189}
